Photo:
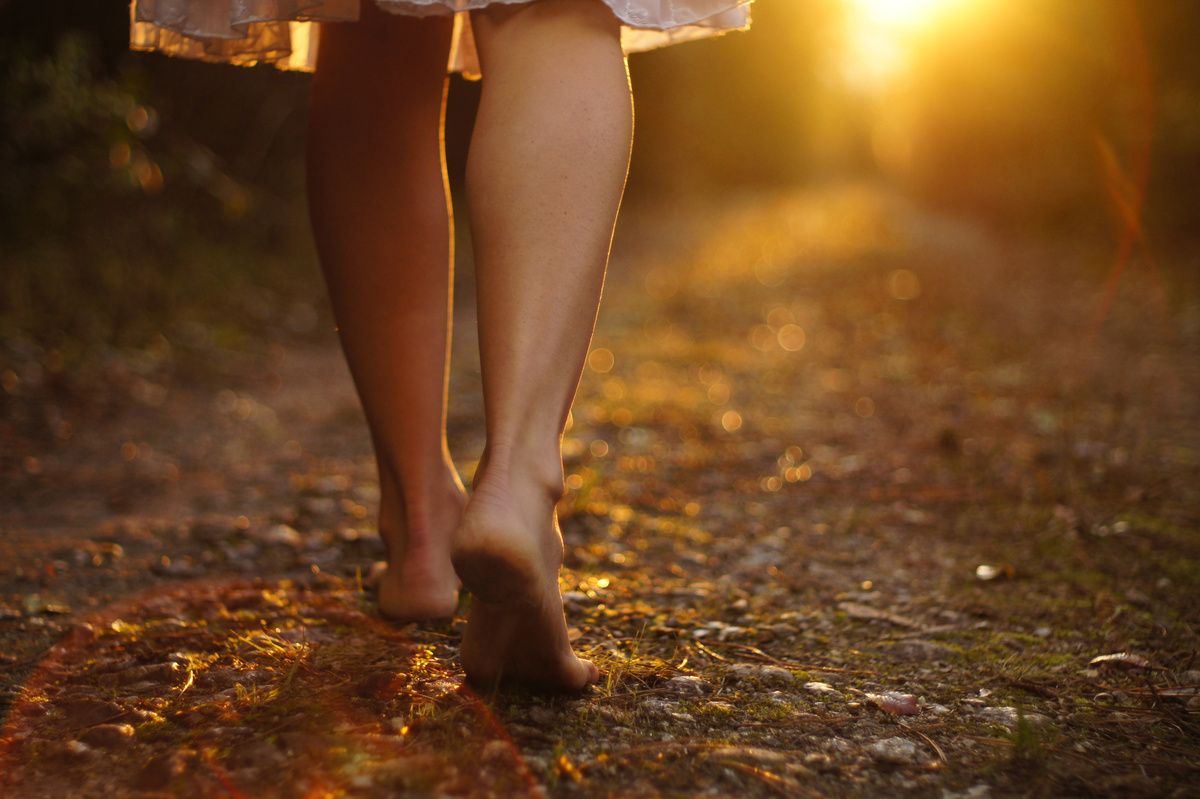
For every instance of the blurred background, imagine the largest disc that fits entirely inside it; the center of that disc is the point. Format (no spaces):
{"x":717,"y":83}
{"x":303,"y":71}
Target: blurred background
{"x":144,"y":198}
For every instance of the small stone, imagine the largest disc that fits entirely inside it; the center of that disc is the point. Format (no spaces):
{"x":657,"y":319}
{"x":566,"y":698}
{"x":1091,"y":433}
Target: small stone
{"x":278,"y":534}
{"x":87,"y":712}
{"x":861,"y":612}
{"x":81,"y":633}
{"x":581,"y":599}
{"x":537,"y":764}
{"x":819,"y":761}
{"x":495,"y":751}
{"x":543,"y":716}
{"x":822,"y":688}
{"x":154,"y":673}
{"x":896,"y":704}
{"x":381,"y":685}
{"x":751,"y":753}
{"x":319,"y":506}
{"x":918,"y":650}
{"x":332,"y":484}
{"x":225,"y":736}
{"x":766,"y":674}
{"x":656,"y":707}
{"x":687,"y":684}
{"x":70,"y":751}
{"x":1009,"y":717}
{"x":108,"y":736}
{"x":161,"y":769}
{"x":895,"y":751}
{"x":1190,"y":677}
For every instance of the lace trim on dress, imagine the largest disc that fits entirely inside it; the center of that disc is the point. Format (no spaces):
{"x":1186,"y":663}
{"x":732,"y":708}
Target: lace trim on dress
{"x":282,"y":31}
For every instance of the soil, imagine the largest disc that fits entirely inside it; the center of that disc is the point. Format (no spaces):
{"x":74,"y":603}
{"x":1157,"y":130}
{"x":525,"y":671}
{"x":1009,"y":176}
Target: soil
{"x":863,"y":501}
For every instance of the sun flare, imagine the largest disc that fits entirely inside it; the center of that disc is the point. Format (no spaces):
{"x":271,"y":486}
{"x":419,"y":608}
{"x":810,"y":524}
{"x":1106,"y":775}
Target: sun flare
{"x":901,"y":14}
{"x":880,"y":33}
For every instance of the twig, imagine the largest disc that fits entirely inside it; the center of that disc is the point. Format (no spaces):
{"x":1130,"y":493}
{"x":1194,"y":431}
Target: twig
{"x":791,"y":664}
{"x":708,"y":651}
{"x":784,"y":785}
{"x":941,"y":755}
{"x":796,"y":722}
{"x":1041,"y":690}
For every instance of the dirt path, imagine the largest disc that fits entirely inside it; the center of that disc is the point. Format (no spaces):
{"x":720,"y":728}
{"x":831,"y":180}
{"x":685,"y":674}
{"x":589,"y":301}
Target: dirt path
{"x":855,"y":508}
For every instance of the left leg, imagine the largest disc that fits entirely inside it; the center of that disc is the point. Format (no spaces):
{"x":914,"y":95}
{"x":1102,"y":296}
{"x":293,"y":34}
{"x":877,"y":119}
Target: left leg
{"x":380,"y":215}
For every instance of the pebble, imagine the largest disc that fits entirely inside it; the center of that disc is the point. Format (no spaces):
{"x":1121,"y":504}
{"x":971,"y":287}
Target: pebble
{"x":108,"y":736}
{"x":1190,"y":677}
{"x":161,"y":769}
{"x":897,"y":751}
{"x":278,"y":534}
{"x":154,"y":673}
{"x":770,"y":675}
{"x":86,"y":712}
{"x":918,"y":650}
{"x":70,"y":751}
{"x":751,"y":753}
{"x":497,"y":751}
{"x":543,"y":716}
{"x":1008,"y":717}
{"x":319,"y":506}
{"x":686,"y":684}
{"x":580,"y":599}
{"x":823,"y":688}
{"x":896,"y":704}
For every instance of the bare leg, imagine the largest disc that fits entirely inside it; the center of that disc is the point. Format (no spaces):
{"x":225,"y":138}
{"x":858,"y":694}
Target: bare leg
{"x":544,"y":181}
{"x":380,"y":214}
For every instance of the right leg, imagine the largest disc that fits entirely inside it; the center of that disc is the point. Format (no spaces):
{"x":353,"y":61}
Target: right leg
{"x":544,"y":181}
{"x":380,"y":215}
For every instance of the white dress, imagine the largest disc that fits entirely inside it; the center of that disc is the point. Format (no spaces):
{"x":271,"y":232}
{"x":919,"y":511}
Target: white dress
{"x":282,"y":31}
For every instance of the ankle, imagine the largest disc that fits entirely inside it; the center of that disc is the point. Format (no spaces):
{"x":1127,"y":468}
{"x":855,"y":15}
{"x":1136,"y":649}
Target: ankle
{"x":418,"y":519}
{"x":521,"y":473}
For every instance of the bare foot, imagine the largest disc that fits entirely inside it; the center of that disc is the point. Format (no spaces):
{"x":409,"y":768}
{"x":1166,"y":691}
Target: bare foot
{"x":418,"y":581}
{"x":516,"y":630}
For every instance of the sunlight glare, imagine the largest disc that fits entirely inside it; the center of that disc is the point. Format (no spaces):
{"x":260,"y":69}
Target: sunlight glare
{"x":880,"y":33}
{"x":906,"y":14}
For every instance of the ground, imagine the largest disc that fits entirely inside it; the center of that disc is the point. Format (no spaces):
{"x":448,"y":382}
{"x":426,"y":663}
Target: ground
{"x":863,"y":501}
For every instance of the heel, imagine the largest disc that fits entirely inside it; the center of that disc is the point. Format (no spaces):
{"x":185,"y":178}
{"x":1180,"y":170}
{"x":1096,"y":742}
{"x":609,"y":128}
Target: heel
{"x":493,"y":578}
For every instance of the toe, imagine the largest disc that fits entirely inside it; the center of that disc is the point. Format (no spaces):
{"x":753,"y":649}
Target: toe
{"x":591,"y":673}
{"x":374,"y":575}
